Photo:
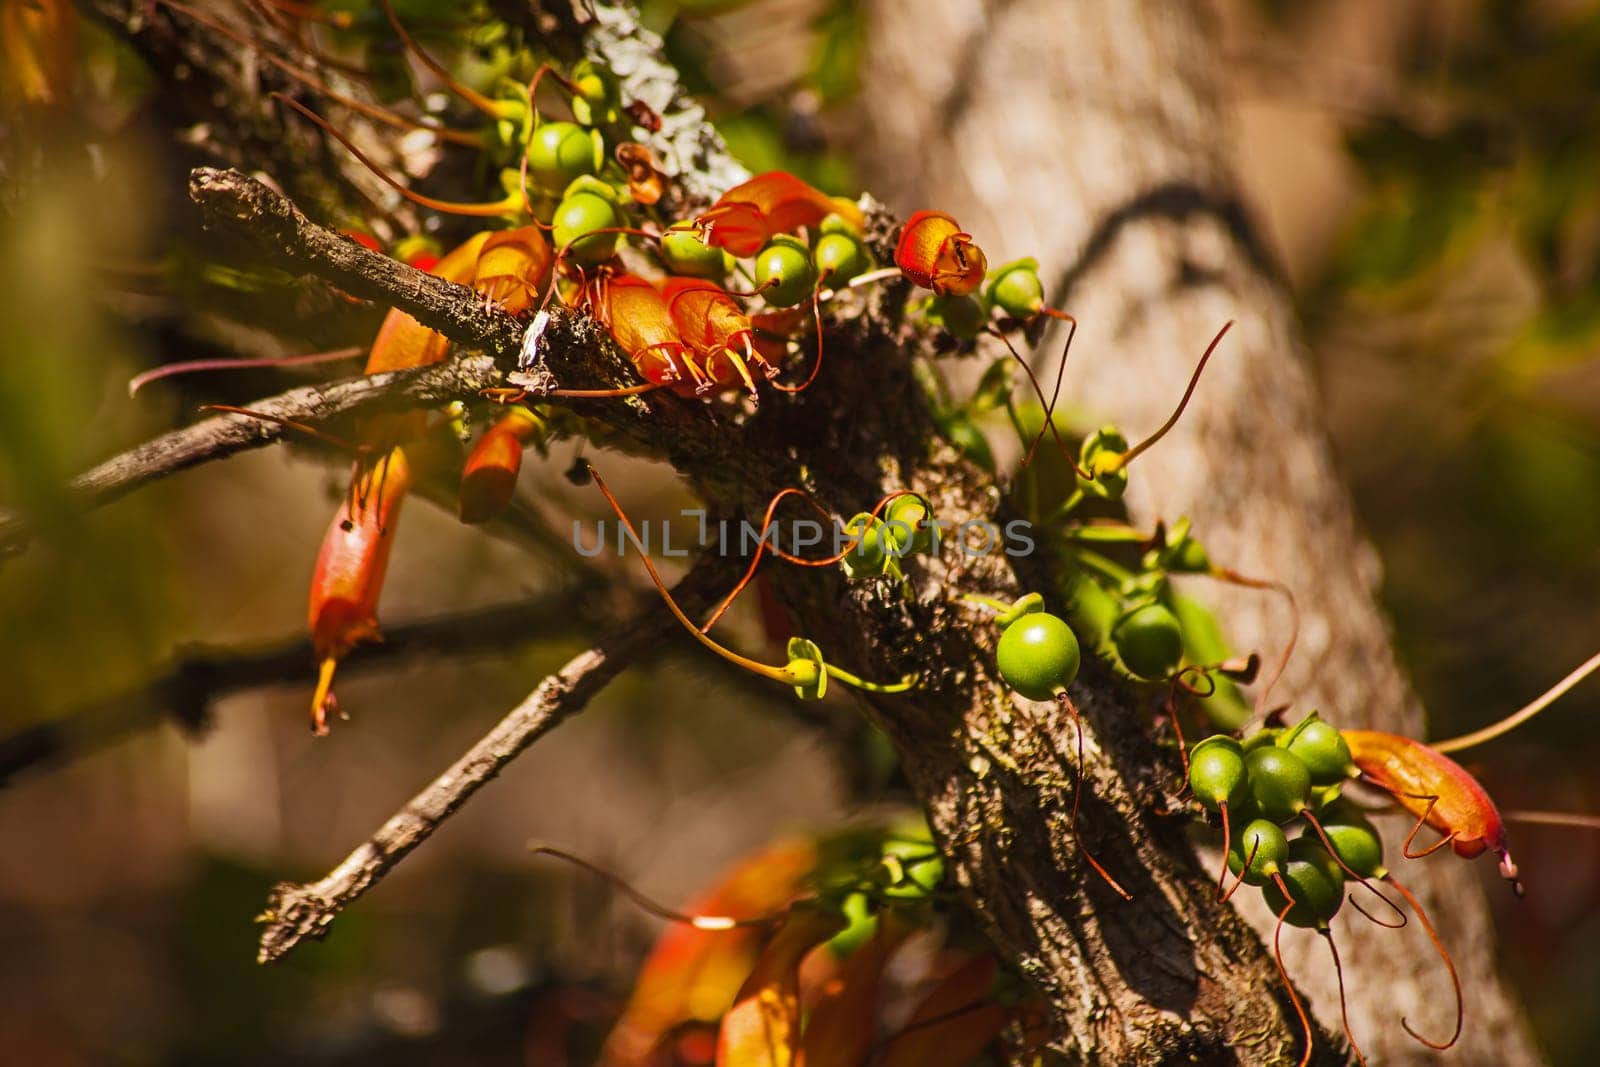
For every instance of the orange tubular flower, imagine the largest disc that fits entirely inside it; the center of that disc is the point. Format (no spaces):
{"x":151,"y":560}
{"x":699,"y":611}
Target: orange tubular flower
{"x":637,"y":315}
{"x":512,"y":267}
{"x":692,"y":974}
{"x":935,"y":254}
{"x":349,"y":574}
{"x":490,"y":475}
{"x":762,"y":1029}
{"x":402,"y":341}
{"x":716,"y":328}
{"x":747,"y":215}
{"x":1438,"y":791}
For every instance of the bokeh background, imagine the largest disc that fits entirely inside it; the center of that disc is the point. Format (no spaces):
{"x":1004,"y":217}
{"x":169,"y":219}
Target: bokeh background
{"x":1427,"y":174}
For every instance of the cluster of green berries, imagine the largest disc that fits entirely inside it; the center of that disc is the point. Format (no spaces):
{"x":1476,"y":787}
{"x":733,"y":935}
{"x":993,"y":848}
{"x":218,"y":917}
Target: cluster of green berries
{"x":1270,"y":780}
{"x":907,"y":528}
{"x":788,"y":271}
{"x":1014,"y":290}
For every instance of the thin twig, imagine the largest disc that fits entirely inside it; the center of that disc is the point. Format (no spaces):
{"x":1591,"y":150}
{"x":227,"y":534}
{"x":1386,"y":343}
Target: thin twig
{"x":296,"y":912}
{"x":200,"y":676}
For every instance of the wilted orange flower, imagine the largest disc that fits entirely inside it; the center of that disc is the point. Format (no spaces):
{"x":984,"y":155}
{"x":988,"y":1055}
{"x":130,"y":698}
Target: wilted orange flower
{"x":935,"y":254}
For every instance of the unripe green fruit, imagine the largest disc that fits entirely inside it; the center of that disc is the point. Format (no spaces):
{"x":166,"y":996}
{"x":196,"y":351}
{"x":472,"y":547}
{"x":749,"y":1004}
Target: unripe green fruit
{"x":963,"y":316}
{"x":922,"y":867}
{"x":1323,"y":750}
{"x":1316,"y":886}
{"x":1038,"y":655}
{"x":1148,"y":641}
{"x":1264,"y":844}
{"x":784,"y":272}
{"x":1217,"y":773}
{"x":1280,"y":785}
{"x":561,"y":151}
{"x":599,"y":98}
{"x":835,"y":223}
{"x":839,"y":257}
{"x":1354,"y":839}
{"x":684,"y":253}
{"x":584,"y":213}
{"x":869,"y":556}
{"x":1016,"y":289}
{"x":1104,"y":442}
{"x":910,"y":525}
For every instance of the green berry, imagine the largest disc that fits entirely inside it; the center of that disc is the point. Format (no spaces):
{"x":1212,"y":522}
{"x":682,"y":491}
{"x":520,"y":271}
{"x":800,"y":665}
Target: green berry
{"x":1216,"y":773}
{"x":1353,"y":838}
{"x":584,"y":213}
{"x":1148,"y":641}
{"x":1280,"y":785}
{"x":784,"y":272}
{"x":1264,"y":844}
{"x":868,"y":557}
{"x":835,"y":223}
{"x":1315,"y":882}
{"x":684,"y":253}
{"x":599,"y":98}
{"x":1323,"y":750}
{"x":1016,"y":289}
{"x":910,"y":525}
{"x":962,"y":316}
{"x":1103,"y":444}
{"x":839,"y":257}
{"x":919,"y":867}
{"x":561,"y":151}
{"x":1038,"y":655}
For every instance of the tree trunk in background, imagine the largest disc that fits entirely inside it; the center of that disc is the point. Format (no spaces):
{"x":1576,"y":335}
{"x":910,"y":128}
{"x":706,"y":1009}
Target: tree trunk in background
{"x":1088,"y":134}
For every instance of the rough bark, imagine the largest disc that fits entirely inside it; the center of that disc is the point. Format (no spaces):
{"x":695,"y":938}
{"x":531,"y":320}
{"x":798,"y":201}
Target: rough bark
{"x":1169,"y":976}
{"x":1089,"y":134}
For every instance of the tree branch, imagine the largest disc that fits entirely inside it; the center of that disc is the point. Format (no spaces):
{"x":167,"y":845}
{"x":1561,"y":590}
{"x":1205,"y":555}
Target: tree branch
{"x":296,"y":912}
{"x":199,"y":676}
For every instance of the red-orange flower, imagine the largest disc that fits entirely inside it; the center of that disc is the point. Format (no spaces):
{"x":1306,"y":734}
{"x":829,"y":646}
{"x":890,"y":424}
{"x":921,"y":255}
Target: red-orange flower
{"x":349,"y":574}
{"x":490,"y":475}
{"x":746,"y":216}
{"x":1437,"y":790}
{"x":935,"y":254}
{"x":637,"y":315}
{"x":715,"y":327}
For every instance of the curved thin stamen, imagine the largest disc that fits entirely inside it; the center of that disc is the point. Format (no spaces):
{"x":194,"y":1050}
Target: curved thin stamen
{"x":1283,"y":972}
{"x":1139,"y":449}
{"x":195,"y":366}
{"x":1344,"y":1012}
{"x":1227,"y":844}
{"x":1038,"y":391}
{"x":299,"y":427}
{"x":1522,"y":715}
{"x":1553,"y":818}
{"x":659,"y":910}
{"x":1228,"y":574}
{"x":465,"y":92}
{"x":1077,"y":799}
{"x":1316,"y":824}
{"x":1444,"y":954}
{"x":816,"y":317}
{"x":1061,"y":370}
{"x":491,"y":209}
{"x":316,"y":85}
